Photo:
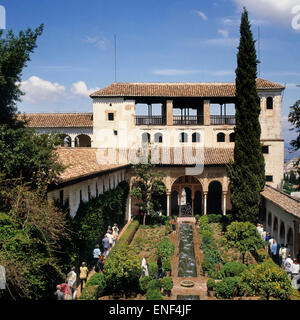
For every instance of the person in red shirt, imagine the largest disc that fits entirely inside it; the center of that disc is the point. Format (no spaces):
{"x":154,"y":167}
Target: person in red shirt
{"x":66,"y":290}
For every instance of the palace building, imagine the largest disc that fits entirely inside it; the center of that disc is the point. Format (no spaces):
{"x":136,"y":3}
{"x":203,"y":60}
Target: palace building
{"x":186,"y":129}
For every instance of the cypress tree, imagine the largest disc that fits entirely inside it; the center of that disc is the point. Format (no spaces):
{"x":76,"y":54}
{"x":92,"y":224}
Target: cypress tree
{"x":247,"y":172}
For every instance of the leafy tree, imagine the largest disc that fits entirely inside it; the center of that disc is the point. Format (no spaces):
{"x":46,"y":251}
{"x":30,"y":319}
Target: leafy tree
{"x":267,"y":280}
{"x":294,"y":118}
{"x":14,"y":55}
{"x":30,"y":235}
{"x":247,"y":175}
{"x":29,"y":158}
{"x":147,"y":182}
{"x":244,"y":237}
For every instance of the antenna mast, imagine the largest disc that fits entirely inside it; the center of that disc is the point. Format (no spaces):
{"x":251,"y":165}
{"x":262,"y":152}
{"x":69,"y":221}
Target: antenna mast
{"x":115,"y":58}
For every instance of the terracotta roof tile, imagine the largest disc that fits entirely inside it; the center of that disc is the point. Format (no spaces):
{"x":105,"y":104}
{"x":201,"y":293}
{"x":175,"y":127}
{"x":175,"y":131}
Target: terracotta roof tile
{"x":87,"y":161}
{"x":177,"y":89}
{"x":56,"y":120}
{"x":283,"y":200}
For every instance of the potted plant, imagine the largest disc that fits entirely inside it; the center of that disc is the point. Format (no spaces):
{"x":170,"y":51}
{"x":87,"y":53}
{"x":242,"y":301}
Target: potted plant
{"x":211,"y":285}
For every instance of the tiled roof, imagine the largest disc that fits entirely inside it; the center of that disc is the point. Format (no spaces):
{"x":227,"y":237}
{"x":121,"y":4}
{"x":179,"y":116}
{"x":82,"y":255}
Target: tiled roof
{"x":177,"y":89}
{"x":283,"y":200}
{"x":57,"y":120}
{"x":80,"y":162}
{"x":83,"y":162}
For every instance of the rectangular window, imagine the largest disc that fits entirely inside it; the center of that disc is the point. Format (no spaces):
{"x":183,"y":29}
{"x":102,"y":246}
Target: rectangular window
{"x":115,"y":132}
{"x":265,"y":149}
{"x":269,"y":178}
{"x":111,"y":116}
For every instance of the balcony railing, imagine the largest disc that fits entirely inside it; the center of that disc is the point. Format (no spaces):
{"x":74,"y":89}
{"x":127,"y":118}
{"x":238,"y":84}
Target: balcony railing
{"x":187,"y":120}
{"x":216,"y":120}
{"x":146,"y":120}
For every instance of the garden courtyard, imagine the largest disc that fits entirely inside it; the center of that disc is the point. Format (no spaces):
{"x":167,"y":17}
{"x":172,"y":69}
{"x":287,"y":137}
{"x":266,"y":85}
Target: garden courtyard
{"x":213,"y":269}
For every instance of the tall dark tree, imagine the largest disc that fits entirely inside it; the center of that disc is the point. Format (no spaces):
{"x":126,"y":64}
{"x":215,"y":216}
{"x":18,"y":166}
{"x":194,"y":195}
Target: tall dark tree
{"x":247,"y":172}
{"x":14,"y":54}
{"x":294,"y":119}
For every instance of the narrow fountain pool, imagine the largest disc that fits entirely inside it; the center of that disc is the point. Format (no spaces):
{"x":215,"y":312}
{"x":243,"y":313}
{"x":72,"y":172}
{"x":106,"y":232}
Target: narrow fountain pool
{"x":187,"y":261}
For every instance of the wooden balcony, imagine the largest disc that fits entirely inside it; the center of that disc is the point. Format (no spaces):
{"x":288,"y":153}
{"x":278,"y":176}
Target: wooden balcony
{"x":219,"y":120}
{"x":146,"y":120}
{"x":188,"y":120}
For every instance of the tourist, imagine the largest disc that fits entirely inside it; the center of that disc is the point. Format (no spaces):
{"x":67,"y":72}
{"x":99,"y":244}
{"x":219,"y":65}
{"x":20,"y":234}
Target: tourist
{"x":160,"y":273}
{"x":83,"y":275}
{"x":160,"y":212}
{"x":60,"y":295}
{"x":116,"y":229}
{"x":96,"y":254}
{"x":173,"y":223}
{"x":101,"y":262}
{"x":72,"y":282}
{"x":259,"y":229}
{"x":295,"y":268}
{"x":66,"y":290}
{"x":271,"y":240}
{"x":267,"y":241}
{"x":115,"y":233}
{"x":263,"y":234}
{"x":275,"y":251}
{"x":110,"y":238}
{"x":106,"y":245}
{"x":144,"y":267}
{"x":288,"y":265}
{"x":282,"y":254}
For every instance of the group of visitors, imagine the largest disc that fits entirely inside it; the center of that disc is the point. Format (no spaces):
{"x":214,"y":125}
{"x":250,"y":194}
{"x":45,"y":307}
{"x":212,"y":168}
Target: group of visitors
{"x":281,"y":255}
{"x":144,"y":266}
{"x":67,"y":290}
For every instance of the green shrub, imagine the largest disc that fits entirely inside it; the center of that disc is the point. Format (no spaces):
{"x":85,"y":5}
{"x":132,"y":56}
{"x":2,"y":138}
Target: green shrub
{"x":152,"y":269}
{"x":97,"y":279}
{"x":128,"y":235}
{"x":261,"y":255}
{"x":154,"y":284}
{"x":197,"y":217}
{"x":206,"y":236}
{"x":231,"y":269}
{"x":211,"y":284}
{"x":122,"y":269}
{"x":214,"y":274}
{"x":165,"y":248}
{"x":154,"y":294}
{"x":214,"y":218}
{"x":167,"y":284}
{"x":89,"y":293}
{"x":205,"y":265}
{"x":144,"y":283}
{"x":166,"y":264}
{"x":227,"y":288}
{"x":213,"y":255}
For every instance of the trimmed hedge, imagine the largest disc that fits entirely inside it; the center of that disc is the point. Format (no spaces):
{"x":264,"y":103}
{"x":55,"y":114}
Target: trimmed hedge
{"x":97,"y":279}
{"x":231,"y":269}
{"x":89,"y":293}
{"x":128,"y":235}
{"x":211,"y":284}
{"x":228,"y":287}
{"x":154,"y":294}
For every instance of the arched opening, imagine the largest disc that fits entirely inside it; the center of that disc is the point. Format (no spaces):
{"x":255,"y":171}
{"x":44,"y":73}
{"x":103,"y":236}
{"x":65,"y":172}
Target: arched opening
{"x":269,"y":103}
{"x":146,"y":137}
{"x":183,"y":137}
{"x":290,"y":241}
{"x":232,"y":137}
{"x":275,"y":225}
{"x":221,"y":137}
{"x":195,"y":137}
{"x":174,"y":203}
{"x":67,"y":142}
{"x":83,"y":140}
{"x":198,"y":203}
{"x":282,"y":233}
{"x":269,"y":219}
{"x":158,"y":137}
{"x":186,"y":196}
{"x":160,"y":198}
{"x":214,"y":198}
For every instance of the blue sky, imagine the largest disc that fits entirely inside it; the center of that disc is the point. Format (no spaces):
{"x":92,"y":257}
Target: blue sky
{"x":189,"y":41}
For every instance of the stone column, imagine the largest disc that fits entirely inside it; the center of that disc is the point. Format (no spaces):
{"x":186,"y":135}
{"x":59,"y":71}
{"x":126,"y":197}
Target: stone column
{"x":205,"y":203}
{"x":169,"y":112}
{"x":224,"y":203}
{"x":129,"y":209}
{"x":73,"y":143}
{"x":168,"y":203}
{"x":206,"y":112}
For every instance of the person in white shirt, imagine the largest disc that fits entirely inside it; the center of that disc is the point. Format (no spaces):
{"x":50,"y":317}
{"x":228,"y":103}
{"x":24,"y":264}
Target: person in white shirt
{"x":263,"y":234}
{"x":288,"y":265}
{"x":282,"y":254}
{"x":144,"y":267}
{"x":295,"y":268}
{"x":110,"y":238}
{"x":271,"y":241}
{"x":72,"y":282}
